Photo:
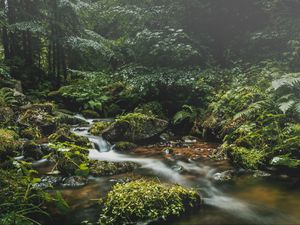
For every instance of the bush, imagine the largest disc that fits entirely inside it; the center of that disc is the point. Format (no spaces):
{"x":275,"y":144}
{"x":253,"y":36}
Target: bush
{"x":146,"y":200}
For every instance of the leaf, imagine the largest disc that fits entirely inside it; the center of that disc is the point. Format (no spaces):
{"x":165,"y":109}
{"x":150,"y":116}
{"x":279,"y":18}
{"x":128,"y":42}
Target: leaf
{"x":61,"y":204}
{"x":286,"y":106}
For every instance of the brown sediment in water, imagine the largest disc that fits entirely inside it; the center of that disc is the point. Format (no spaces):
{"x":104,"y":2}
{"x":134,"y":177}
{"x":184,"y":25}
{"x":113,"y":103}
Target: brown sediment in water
{"x":198,"y":150}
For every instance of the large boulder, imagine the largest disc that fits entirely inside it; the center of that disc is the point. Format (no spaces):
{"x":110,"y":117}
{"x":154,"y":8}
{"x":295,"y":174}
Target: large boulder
{"x":134,"y":127}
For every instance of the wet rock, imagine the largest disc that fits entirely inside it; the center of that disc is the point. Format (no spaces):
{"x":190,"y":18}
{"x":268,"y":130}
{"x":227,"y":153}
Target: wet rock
{"x":259,"y":173}
{"x":32,"y":150}
{"x":64,"y":118}
{"x":166,"y":136}
{"x":168,"y":151}
{"x":134,"y":127}
{"x":47,"y":182}
{"x":124,"y":146}
{"x":178,"y":169}
{"x":189,"y":139}
{"x":104,"y":168}
{"x":74,"y":182}
{"x":223,"y":176}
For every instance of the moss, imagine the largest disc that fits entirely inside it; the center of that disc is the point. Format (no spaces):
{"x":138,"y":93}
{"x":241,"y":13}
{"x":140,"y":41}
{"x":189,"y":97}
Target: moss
{"x":9,"y":143}
{"x":134,"y":120}
{"x":104,"y":168}
{"x":146,"y":200}
{"x":32,"y":133}
{"x":65,"y":135}
{"x":90,"y":114}
{"x":248,"y":158}
{"x":70,"y":159}
{"x":134,"y":127}
{"x":125,"y":146}
{"x":98,"y":127}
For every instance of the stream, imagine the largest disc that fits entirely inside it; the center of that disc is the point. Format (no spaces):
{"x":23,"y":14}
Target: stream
{"x":245,"y":199}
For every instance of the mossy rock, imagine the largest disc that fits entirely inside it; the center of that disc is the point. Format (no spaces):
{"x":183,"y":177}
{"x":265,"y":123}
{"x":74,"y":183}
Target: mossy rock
{"x":31,"y":133}
{"x":70,"y":159}
{"x":124,"y":146}
{"x":135,"y":127}
{"x":90,"y":114}
{"x":98,"y":127}
{"x":9,"y":144}
{"x":32,"y":150}
{"x":65,"y":135}
{"x":104,"y":168}
{"x":141,"y":201}
{"x":39,"y":116}
{"x":64,"y":118}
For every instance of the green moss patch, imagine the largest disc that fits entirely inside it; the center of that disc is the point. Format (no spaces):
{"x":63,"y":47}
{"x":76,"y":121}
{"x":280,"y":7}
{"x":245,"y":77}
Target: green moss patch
{"x":104,"y":168}
{"x":9,"y":143}
{"x":65,"y":135}
{"x":98,"y":127}
{"x":146,"y":200}
{"x":124,"y":146}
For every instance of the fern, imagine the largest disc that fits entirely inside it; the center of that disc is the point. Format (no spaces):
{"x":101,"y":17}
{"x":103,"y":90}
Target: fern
{"x":288,"y":92}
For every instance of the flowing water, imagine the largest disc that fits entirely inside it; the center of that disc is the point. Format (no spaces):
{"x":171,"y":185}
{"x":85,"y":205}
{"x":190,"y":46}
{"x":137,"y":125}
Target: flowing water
{"x":245,"y":199}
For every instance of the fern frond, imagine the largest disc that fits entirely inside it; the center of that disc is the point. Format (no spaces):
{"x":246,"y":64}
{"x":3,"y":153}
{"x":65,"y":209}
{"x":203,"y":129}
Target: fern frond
{"x":286,"y":106}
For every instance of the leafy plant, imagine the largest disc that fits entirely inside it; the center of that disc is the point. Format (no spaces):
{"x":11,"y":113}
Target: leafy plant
{"x":287,"y":90}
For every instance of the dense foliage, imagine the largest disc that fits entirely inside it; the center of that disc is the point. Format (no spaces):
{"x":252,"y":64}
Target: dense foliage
{"x":227,"y":71}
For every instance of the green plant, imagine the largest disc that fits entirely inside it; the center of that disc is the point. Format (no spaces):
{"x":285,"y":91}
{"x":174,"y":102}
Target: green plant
{"x":70,"y":159}
{"x":287,"y":90}
{"x":6,"y":98}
